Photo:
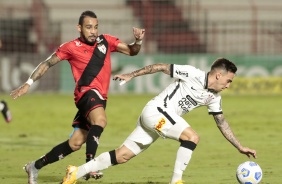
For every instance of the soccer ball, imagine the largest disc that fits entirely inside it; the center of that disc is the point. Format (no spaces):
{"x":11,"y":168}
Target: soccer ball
{"x":249,"y":173}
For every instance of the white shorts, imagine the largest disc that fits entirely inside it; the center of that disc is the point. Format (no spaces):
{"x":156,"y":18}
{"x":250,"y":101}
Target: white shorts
{"x":153,"y":123}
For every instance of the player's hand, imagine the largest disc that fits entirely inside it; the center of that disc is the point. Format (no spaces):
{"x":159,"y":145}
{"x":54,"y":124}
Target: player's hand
{"x":20,"y":91}
{"x":123,"y":77}
{"x":249,"y":152}
{"x":138,"y":33}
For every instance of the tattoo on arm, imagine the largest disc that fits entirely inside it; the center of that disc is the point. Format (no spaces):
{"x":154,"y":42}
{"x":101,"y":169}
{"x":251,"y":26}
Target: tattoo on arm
{"x":152,"y":69}
{"x":225,"y":129}
{"x":42,"y":68}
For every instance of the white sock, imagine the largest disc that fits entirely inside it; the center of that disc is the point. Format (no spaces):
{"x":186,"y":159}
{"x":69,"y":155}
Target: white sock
{"x":183,"y":157}
{"x":1,"y":106}
{"x":103,"y":161}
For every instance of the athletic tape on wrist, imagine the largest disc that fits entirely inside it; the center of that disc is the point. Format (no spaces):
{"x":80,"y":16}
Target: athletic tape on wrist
{"x":29,"y":81}
{"x":138,"y":42}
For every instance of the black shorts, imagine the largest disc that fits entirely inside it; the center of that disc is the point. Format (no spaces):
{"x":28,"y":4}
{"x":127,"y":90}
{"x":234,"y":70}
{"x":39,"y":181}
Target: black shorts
{"x":89,"y":101}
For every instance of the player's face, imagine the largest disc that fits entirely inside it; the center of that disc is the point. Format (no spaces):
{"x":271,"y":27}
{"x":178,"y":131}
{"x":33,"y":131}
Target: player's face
{"x":89,"y":30}
{"x":224,"y":80}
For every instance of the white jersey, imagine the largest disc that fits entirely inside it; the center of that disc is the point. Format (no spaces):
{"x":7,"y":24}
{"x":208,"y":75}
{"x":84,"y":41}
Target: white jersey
{"x":188,"y":92}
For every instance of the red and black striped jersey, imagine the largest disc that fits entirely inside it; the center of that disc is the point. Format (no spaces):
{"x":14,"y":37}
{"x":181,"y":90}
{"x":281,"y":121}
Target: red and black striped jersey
{"x":90,"y":65}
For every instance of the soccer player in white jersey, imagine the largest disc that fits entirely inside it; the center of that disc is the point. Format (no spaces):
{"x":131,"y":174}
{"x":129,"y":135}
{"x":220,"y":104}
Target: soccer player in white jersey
{"x":161,"y":117}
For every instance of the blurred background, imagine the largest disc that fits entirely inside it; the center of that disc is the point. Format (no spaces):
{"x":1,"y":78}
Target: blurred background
{"x":196,"y":32}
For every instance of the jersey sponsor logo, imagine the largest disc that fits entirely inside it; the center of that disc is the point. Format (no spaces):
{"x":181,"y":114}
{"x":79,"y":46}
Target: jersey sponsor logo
{"x":191,"y":100}
{"x":181,"y":73}
{"x":186,"y":103}
{"x":102,"y":48}
{"x":160,"y":124}
{"x":77,"y":43}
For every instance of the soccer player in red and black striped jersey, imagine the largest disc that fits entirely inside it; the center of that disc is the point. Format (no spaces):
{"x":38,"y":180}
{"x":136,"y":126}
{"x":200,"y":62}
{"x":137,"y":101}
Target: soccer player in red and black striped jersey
{"x":90,"y":61}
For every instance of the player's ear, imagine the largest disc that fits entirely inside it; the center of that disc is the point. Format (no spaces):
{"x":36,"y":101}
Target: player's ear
{"x":218,"y":75}
{"x":78,"y":28}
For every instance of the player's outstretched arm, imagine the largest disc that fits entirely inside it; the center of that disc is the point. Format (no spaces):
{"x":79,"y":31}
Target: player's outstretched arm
{"x":159,"y":67}
{"x":38,"y":72}
{"x":226,"y":131}
{"x":133,"y":48}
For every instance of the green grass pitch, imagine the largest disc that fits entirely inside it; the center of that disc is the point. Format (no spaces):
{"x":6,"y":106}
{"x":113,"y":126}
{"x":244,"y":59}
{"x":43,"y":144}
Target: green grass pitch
{"x":41,"y":121}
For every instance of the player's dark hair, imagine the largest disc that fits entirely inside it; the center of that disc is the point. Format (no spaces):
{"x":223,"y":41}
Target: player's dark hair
{"x":225,"y":64}
{"x":87,"y":13}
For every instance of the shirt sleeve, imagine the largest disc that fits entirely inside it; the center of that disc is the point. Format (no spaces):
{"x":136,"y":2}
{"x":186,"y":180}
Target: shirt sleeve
{"x":183,"y":72}
{"x":215,"y":107}
{"x":63,"y":52}
{"x":112,"y":41}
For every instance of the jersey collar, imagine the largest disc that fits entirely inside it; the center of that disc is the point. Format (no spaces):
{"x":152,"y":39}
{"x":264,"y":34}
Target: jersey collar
{"x":206,"y":84}
{"x":206,"y":81}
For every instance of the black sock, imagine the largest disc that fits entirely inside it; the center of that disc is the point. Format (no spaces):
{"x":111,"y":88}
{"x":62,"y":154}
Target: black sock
{"x":113,"y":157}
{"x":57,"y":153}
{"x":92,"y":141}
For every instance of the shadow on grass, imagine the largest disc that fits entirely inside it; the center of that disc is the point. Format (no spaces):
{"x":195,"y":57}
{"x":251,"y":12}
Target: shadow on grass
{"x":46,"y":179}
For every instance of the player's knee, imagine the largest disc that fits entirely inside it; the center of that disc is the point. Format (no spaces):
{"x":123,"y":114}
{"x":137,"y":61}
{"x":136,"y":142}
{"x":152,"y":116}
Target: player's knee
{"x":100,"y":122}
{"x":195,"y":138}
{"x":190,"y":135}
{"x":76,"y":145}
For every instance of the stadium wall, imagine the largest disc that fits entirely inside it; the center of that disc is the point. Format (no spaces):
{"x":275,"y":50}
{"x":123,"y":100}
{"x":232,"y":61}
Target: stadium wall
{"x":255,"y":75}
{"x":177,"y":31}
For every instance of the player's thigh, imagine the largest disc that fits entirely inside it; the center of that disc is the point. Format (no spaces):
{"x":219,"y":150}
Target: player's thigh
{"x":140,"y":139}
{"x":98,"y":116}
{"x":166,"y":123}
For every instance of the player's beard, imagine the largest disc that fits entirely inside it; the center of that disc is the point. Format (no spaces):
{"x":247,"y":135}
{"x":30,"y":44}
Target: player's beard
{"x":86,"y":40}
